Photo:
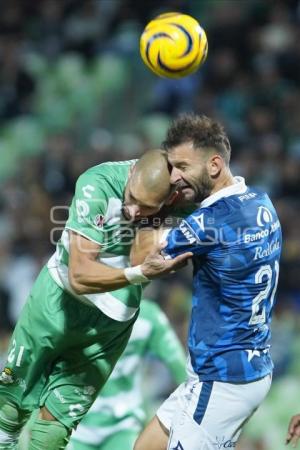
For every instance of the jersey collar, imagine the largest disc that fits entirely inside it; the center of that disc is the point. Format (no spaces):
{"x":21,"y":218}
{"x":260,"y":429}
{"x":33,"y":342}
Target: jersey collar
{"x":239,"y":187}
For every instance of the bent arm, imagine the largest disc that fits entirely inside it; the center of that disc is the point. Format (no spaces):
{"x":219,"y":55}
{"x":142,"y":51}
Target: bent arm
{"x":149,"y":238}
{"x":145,"y":242}
{"x":86,"y":274}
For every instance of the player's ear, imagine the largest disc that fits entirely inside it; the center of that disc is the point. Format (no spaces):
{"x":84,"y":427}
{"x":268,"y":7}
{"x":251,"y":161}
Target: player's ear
{"x":215,"y":165}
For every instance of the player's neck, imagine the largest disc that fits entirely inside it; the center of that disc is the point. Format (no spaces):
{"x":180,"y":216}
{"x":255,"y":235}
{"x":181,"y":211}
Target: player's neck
{"x":225,"y":180}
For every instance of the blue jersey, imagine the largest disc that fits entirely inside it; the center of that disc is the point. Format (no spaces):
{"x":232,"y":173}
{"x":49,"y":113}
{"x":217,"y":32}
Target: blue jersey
{"x":235,"y":237}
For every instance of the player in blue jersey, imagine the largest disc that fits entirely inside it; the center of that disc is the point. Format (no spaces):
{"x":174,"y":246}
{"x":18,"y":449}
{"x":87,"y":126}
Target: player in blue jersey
{"x":235,"y":239}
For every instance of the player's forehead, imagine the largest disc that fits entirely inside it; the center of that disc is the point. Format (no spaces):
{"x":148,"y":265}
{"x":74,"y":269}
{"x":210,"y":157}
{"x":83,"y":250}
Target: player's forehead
{"x":185,"y":153}
{"x":143,"y":197}
{"x":147,"y":193}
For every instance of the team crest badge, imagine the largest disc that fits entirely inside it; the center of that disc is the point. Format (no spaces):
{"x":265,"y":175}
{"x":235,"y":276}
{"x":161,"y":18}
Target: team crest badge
{"x":6,"y":376}
{"x":99,"y":220}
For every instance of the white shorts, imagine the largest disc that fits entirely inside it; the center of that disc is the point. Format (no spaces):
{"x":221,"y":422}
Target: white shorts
{"x":210,"y":415}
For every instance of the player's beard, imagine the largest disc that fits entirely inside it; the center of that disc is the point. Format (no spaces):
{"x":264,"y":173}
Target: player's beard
{"x":203,"y":187}
{"x":200,"y":189}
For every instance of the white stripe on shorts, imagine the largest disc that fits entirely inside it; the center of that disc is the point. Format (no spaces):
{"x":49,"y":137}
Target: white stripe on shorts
{"x":10,"y":439}
{"x":210,"y":415}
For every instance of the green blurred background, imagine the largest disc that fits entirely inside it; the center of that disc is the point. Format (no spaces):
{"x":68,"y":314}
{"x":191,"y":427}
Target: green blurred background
{"x":74,"y":92}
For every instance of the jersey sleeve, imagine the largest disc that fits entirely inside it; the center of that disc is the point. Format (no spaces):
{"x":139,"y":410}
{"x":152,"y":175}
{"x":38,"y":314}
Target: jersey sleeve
{"x":165,"y":345}
{"x":88,"y":208}
{"x":198,"y":234}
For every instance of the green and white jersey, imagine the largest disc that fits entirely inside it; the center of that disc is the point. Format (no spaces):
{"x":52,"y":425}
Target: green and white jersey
{"x":96,"y":213}
{"x":120,"y":403}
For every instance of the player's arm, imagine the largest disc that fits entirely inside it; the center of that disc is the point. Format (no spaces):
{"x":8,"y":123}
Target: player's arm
{"x":87,"y":239}
{"x":145,"y":242}
{"x":86,"y":274}
{"x":165,"y":345}
{"x":196,"y":235}
{"x":151,"y":232}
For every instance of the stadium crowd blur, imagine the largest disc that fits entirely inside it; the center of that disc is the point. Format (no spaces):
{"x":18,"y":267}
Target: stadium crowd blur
{"x":74,"y":92}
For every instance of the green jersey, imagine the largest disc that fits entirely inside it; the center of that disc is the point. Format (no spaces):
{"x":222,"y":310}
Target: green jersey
{"x":120,"y":404}
{"x":96,"y":213}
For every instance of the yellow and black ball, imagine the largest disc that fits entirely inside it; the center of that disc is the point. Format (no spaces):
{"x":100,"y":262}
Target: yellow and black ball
{"x":173,"y":45}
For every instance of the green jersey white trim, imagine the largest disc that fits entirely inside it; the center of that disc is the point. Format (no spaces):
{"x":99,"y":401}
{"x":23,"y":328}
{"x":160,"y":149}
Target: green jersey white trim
{"x":96,"y":214}
{"x":108,"y":304}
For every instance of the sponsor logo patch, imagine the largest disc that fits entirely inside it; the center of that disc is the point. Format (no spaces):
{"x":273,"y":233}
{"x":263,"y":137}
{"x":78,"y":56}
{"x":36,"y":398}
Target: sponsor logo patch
{"x":261,"y":252}
{"x":187,"y":233}
{"x":222,"y":443}
{"x":99,"y":220}
{"x":6,"y":376}
{"x":264,"y":216}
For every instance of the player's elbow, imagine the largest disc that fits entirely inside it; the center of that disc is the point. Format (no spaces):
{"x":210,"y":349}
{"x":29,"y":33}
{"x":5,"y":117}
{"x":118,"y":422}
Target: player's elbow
{"x":76,"y":287}
{"x":80,"y":285}
{"x":76,"y":282}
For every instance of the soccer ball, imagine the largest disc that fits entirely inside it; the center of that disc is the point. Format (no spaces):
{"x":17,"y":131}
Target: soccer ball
{"x":173,"y":45}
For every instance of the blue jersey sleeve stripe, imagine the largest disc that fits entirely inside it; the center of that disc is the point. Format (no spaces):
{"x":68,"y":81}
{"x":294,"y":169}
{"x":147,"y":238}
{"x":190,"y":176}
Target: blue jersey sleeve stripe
{"x":203,"y":401}
{"x":189,"y":225}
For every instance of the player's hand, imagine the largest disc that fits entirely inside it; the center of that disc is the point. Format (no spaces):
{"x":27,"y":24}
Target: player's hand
{"x":293,"y":431}
{"x":155,"y":265}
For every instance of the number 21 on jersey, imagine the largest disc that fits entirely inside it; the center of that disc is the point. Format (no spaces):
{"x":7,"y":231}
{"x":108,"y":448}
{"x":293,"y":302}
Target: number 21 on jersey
{"x":265,"y":272}
{"x":12,"y":354}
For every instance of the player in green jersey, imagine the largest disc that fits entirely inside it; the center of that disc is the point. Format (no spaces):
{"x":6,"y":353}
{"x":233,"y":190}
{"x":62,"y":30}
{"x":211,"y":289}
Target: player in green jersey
{"x":117,"y":416}
{"x":80,"y":312}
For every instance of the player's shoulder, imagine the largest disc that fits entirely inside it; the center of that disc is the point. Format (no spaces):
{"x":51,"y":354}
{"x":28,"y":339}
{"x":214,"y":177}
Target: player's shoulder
{"x":105,"y":175}
{"x":218,"y":212}
{"x":248,"y":199}
{"x":115,"y":166}
{"x":245,"y":209}
{"x":250,"y":196}
{"x":202,"y":218}
{"x":249,"y":202}
{"x":109,"y":169}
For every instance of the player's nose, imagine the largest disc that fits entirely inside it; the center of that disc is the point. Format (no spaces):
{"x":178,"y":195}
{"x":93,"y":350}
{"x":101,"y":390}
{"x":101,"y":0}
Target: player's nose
{"x":175,"y":177}
{"x":134,"y":211}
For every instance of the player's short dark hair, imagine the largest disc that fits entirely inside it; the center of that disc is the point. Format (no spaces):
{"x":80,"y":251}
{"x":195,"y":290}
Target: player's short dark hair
{"x":202,"y":131}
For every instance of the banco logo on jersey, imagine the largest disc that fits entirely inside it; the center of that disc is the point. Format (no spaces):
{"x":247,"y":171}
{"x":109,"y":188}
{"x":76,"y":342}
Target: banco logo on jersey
{"x":222,"y":443}
{"x":264,"y":216}
{"x":264,"y":220}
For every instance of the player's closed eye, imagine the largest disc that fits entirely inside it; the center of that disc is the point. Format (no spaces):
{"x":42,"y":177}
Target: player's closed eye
{"x":181,"y":167}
